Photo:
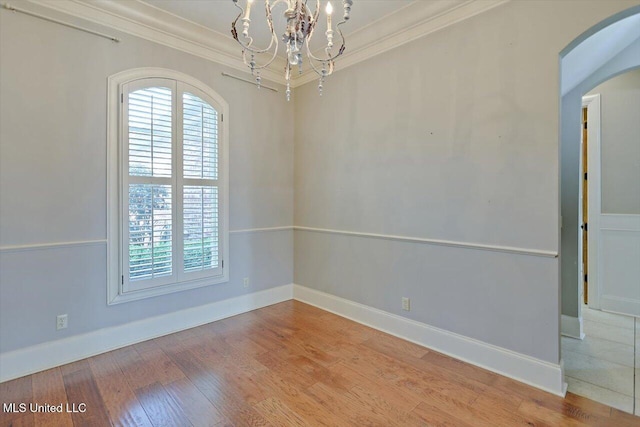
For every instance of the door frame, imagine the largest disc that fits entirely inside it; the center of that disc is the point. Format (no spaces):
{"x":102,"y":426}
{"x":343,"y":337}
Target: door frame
{"x":594,"y":201}
{"x":583,"y":168}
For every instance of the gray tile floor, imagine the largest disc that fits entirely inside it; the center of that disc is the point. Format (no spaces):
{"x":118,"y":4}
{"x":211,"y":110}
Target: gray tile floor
{"x":605,"y":366}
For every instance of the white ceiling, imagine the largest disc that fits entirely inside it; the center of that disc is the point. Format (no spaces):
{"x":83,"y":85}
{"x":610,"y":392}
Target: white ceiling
{"x":217,"y":15}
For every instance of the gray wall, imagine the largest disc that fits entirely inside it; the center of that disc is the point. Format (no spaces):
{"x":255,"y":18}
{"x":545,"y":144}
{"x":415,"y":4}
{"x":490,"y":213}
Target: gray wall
{"x":53,"y":86}
{"x":571,"y":106}
{"x":620,"y":130}
{"x":453,"y":136}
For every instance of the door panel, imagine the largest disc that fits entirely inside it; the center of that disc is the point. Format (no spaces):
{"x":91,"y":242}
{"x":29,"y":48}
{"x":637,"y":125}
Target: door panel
{"x":619,"y":264}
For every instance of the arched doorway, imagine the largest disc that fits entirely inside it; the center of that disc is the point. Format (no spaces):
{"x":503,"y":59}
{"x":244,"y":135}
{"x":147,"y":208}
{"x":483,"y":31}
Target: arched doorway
{"x":607,"y":50}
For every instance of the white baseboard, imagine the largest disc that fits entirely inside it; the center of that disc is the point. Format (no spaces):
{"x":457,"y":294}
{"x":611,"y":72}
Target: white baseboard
{"x":571,"y":327}
{"x":624,"y":306}
{"x":538,"y":373}
{"x":18,"y":363}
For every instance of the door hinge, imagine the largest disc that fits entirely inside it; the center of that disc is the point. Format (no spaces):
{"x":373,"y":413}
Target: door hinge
{"x":585,"y":176}
{"x":585,"y":125}
{"x":122,"y":280}
{"x":585,"y":278}
{"x":222,"y":263}
{"x":122,"y":98}
{"x":221,"y":117}
{"x":586,"y":226}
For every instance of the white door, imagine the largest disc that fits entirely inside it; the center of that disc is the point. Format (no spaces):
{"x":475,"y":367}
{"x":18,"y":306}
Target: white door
{"x":614,"y":239}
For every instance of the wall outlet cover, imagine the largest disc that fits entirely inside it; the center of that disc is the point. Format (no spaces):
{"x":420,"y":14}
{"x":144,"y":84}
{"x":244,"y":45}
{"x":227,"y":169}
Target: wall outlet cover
{"x":62,"y":321}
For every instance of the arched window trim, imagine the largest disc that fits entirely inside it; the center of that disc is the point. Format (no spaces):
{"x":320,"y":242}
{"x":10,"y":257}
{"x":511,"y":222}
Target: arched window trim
{"x":116,"y":291}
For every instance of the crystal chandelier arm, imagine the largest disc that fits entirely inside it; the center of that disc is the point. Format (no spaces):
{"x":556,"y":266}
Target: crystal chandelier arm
{"x":255,"y":66}
{"x":273,"y":45}
{"x":249,"y":46}
{"x":324,"y":72}
{"x":329,"y":57}
{"x":329,"y":60}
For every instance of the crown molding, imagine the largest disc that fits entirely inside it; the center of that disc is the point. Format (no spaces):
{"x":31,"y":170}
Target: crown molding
{"x":403,"y":26}
{"x":143,"y":20}
{"x":151,"y":23}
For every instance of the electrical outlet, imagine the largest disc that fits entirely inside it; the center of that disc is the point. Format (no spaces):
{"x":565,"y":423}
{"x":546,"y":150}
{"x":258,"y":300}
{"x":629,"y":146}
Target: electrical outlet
{"x":246,"y":282}
{"x":406,"y":304}
{"x":62,"y":321}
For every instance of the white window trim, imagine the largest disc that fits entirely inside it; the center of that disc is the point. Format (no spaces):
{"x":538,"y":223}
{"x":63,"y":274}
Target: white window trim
{"x":115,"y":292}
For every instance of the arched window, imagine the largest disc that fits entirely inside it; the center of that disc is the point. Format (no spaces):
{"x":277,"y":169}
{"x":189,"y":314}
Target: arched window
{"x":168,"y":222}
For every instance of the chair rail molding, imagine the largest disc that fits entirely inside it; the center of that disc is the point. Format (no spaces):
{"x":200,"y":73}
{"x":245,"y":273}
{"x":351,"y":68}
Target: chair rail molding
{"x":438,"y":242}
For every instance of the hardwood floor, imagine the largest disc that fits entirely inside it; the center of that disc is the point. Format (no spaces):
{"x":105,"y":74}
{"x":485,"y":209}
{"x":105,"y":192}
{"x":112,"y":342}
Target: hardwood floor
{"x":289,"y":364}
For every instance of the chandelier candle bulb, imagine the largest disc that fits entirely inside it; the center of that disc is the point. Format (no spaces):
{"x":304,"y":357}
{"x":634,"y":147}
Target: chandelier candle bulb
{"x":329,"y":32}
{"x":246,"y":20}
{"x":249,"y":3}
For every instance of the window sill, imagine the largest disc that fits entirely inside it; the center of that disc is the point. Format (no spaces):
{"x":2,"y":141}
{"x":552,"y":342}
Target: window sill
{"x":123,"y":297}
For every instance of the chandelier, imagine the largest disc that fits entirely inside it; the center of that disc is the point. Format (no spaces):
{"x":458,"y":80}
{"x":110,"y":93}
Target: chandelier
{"x":301,"y":23}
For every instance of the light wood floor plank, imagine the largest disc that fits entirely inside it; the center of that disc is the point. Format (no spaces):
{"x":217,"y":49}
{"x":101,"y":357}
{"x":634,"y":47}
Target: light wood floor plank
{"x":292,"y":396}
{"x":160,"y":407}
{"x":345,"y":406}
{"x":121,"y":402}
{"x":434,"y":416}
{"x":48,"y":387}
{"x":81,"y":388}
{"x":401,"y":398}
{"x":16,"y":392}
{"x":222,"y":394}
{"x":164,"y":370}
{"x":539,"y":412}
{"x":137,"y":373}
{"x":194,"y":404}
{"x":394,"y":416}
{"x":279,"y":414}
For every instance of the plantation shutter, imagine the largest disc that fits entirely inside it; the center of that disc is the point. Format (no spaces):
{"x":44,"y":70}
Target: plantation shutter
{"x":170,"y":197}
{"x":149,"y":184}
{"x":200,"y":190}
